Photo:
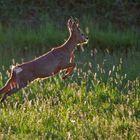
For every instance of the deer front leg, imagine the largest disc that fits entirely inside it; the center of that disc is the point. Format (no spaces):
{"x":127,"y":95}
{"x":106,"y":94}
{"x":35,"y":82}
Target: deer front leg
{"x":70,"y":69}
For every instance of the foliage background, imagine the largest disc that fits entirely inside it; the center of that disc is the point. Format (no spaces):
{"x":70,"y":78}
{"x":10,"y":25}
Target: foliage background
{"x":119,"y":12}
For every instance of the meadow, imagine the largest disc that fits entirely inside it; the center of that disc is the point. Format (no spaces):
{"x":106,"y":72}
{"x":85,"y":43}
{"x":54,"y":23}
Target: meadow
{"x":101,"y":100}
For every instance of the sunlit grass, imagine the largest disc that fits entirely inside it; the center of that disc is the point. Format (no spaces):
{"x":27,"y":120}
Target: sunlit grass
{"x":101,"y":104}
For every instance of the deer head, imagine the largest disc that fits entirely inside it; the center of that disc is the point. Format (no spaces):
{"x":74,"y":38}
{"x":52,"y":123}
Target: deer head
{"x":76,"y":32}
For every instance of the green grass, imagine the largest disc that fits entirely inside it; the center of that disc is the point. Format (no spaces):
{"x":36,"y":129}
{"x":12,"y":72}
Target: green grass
{"x":30,"y":38}
{"x":25,"y":38}
{"x":99,"y":101}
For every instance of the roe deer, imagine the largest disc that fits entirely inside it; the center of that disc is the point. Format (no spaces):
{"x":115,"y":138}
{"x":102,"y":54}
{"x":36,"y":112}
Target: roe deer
{"x":49,"y":64}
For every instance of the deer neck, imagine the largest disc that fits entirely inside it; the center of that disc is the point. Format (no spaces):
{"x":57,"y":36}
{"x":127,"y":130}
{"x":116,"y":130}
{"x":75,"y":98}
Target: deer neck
{"x":71,"y":43}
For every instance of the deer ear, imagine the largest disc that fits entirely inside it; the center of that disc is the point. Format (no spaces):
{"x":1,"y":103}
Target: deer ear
{"x":70,"y":23}
{"x":77,"y":22}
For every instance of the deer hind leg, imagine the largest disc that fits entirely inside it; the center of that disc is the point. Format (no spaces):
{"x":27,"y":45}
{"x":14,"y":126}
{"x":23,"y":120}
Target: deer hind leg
{"x":14,"y":90}
{"x":9,"y":93}
{"x":11,"y":83}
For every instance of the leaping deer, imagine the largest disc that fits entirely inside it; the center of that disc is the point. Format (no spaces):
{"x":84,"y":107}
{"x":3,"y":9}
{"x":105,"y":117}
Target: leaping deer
{"x":49,"y":64}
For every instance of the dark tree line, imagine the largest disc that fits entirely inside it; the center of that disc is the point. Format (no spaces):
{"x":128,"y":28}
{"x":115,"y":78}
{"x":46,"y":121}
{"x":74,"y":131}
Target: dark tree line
{"x":123,"y":12}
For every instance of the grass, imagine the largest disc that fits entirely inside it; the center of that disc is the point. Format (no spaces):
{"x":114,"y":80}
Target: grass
{"x":48,"y":35}
{"x":98,"y":102}
{"x":101,"y":100}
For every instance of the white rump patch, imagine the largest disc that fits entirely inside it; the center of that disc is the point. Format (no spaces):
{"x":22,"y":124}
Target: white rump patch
{"x":18,"y":70}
